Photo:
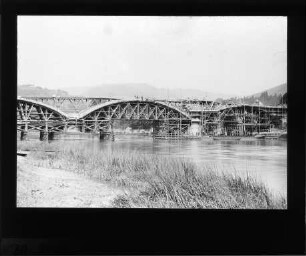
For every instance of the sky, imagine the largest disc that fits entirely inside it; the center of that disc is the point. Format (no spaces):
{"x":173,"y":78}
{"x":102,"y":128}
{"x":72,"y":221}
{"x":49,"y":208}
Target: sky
{"x":240,"y":55}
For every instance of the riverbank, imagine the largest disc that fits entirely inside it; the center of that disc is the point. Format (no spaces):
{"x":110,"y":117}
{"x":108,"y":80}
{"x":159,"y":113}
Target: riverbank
{"x":148,"y":181}
{"x":49,"y":187}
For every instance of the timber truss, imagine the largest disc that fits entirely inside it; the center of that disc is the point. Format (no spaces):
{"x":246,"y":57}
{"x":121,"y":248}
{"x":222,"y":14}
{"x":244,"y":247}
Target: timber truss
{"x":70,"y":104}
{"x":33,"y":115}
{"x":166,"y":117}
{"x":99,"y":117}
{"x":244,"y":119}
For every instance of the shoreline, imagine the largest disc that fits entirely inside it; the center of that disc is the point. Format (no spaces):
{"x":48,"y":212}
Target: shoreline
{"x":147,"y":181}
{"x":46,"y":187}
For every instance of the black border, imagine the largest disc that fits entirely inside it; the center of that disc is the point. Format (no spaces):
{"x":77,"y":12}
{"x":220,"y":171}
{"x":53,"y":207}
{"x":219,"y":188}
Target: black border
{"x":136,"y":231}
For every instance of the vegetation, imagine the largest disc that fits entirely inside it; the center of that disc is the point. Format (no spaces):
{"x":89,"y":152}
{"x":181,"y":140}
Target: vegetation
{"x":272,"y":97}
{"x":264,"y":98}
{"x":284,"y":99}
{"x":154,"y":181}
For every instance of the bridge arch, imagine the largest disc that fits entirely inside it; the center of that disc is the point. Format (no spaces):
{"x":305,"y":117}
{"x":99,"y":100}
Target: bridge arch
{"x":165,"y":118}
{"x":33,"y":110}
{"x":243,"y":110}
{"x":133,"y":110}
{"x":33,"y":115}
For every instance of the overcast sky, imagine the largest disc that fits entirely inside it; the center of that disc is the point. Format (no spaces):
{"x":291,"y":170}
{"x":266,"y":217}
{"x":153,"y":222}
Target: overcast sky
{"x":240,"y":55}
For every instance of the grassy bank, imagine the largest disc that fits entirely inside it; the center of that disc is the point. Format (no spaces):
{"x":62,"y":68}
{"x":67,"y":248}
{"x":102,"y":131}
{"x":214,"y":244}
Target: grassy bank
{"x":156,"y":181}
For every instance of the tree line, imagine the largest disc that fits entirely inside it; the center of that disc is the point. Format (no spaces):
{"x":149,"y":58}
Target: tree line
{"x":264,"y":98}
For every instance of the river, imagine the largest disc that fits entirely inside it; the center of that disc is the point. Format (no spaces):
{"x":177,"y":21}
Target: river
{"x":265,"y":160}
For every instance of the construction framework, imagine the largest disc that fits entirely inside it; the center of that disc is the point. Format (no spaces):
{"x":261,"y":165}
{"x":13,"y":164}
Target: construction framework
{"x":70,"y":104}
{"x":240,"y":119}
{"x":168,"y":118}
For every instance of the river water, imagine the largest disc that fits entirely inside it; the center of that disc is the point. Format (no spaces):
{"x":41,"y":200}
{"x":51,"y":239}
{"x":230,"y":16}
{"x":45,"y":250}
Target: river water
{"x":265,"y":160}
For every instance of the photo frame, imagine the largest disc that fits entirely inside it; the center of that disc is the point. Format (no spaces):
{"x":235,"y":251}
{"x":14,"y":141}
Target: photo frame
{"x":148,"y":231}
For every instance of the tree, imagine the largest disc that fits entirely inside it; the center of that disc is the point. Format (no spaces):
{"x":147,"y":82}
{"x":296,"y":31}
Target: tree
{"x":284,"y":99}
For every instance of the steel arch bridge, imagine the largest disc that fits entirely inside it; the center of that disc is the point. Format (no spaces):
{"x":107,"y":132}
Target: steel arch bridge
{"x":33,"y":115}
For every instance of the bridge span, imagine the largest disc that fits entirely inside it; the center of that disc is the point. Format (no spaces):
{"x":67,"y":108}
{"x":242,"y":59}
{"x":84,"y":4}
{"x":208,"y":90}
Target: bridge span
{"x":51,"y":115}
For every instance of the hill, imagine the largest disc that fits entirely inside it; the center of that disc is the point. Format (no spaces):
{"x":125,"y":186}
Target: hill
{"x":32,"y":90}
{"x":130,"y":90}
{"x":273,"y":96}
{"x":280,"y":89}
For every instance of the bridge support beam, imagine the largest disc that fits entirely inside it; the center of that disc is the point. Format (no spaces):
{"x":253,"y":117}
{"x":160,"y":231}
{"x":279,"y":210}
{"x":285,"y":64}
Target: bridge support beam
{"x":156,"y":128}
{"x":107,"y":136}
{"x":240,"y":129}
{"x":103,"y":136}
{"x":24,"y":135}
{"x":43,"y":135}
{"x":51,"y":135}
{"x":195,"y":128}
{"x":106,"y":131}
{"x":82,"y":128}
{"x":24,"y":132}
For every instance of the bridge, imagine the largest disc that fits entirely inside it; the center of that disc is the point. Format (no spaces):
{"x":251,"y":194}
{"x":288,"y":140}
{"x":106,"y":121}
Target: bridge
{"x":98,"y":118}
{"x":52,"y":115}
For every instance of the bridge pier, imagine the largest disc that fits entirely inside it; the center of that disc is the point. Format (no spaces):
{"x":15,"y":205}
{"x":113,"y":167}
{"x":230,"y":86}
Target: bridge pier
{"x":195,"y":127}
{"x":156,"y":128}
{"x":24,"y":132}
{"x":24,"y":135}
{"x":103,"y":136}
{"x":51,"y":135}
{"x":106,"y":130}
{"x":43,"y":135}
{"x":112,"y":136}
{"x":107,"y":136}
{"x":65,"y":127}
{"x":82,"y":128}
{"x":242,"y":130}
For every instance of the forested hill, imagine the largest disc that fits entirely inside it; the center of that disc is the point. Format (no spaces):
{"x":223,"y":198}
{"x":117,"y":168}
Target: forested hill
{"x":271,"y":97}
{"x":32,"y":91}
{"x":280,"y":89}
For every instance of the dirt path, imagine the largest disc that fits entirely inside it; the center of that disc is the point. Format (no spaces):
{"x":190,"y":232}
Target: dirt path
{"x":43,"y":187}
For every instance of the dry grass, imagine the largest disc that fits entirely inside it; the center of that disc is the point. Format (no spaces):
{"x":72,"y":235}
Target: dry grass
{"x":154,"y":181}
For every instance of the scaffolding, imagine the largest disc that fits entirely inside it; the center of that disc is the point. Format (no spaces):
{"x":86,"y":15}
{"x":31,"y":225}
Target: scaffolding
{"x":169,"y":118}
